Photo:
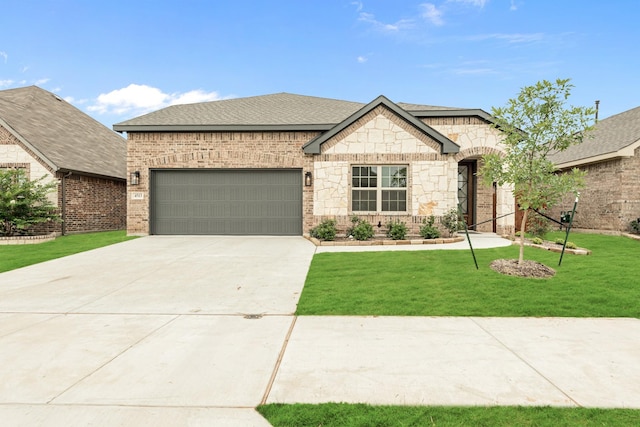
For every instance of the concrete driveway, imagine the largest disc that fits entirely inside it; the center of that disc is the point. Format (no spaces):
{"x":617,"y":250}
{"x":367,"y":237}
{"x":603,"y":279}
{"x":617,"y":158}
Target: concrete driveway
{"x":156,"y":331}
{"x":197,"y":331}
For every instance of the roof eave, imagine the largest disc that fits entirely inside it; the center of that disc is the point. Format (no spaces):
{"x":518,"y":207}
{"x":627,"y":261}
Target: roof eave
{"x":454,"y":113}
{"x":625,"y":152}
{"x":224,"y":128}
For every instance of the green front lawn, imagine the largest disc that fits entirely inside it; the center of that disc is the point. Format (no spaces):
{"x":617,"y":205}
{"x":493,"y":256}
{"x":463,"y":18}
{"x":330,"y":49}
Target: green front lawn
{"x":343,"y":415}
{"x":446,"y":283}
{"x":16,"y":256}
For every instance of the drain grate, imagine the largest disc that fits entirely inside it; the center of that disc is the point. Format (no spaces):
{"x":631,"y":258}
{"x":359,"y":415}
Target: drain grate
{"x":253,"y":316}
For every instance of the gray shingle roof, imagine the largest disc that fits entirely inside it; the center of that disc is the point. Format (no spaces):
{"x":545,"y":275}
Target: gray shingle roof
{"x":281,"y":109}
{"x":67,"y":138}
{"x":276,"y":111}
{"x":608,"y":139}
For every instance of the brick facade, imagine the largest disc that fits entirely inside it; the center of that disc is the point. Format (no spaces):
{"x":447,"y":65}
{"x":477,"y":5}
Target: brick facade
{"x":213,"y":150}
{"x":611,"y":197}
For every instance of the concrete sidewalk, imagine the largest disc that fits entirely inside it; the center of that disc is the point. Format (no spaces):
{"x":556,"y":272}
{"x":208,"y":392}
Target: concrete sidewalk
{"x":461,"y":361}
{"x":189,"y":330}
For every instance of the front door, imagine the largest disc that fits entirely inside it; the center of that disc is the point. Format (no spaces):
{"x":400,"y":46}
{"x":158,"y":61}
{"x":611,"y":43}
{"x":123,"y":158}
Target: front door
{"x":467,"y":191}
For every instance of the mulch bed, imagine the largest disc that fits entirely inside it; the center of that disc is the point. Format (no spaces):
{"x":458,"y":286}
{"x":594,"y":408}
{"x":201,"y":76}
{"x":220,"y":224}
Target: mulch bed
{"x":527,"y":268}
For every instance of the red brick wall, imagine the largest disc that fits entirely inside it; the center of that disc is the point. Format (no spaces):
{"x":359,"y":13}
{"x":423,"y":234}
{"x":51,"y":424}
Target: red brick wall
{"x":93,"y":204}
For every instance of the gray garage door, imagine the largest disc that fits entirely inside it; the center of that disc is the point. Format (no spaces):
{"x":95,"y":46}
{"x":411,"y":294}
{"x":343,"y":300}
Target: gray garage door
{"x":236,"y":202}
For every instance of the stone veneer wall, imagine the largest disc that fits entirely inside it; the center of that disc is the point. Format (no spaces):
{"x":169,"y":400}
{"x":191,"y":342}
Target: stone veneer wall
{"x":611,"y":197}
{"x":219,"y":150}
{"x":381,"y":138}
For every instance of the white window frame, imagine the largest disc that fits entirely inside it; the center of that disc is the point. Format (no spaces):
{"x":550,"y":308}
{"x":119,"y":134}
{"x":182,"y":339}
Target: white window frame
{"x":379,"y":188}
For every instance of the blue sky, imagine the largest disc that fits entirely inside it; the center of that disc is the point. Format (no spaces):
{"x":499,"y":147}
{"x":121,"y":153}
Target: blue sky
{"x":118,"y":59}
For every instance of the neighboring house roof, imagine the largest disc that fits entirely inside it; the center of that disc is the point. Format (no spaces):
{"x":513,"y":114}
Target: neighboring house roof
{"x":615,"y":136}
{"x":61,"y":135}
{"x":280,"y":111}
{"x":448,"y":146}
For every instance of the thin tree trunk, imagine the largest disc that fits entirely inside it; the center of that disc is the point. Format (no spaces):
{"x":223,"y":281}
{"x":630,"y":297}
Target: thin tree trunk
{"x":522,"y":227}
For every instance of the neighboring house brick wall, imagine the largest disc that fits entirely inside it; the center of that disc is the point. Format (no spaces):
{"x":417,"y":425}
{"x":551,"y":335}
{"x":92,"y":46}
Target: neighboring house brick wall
{"x":94,"y":204}
{"x":611,"y":197}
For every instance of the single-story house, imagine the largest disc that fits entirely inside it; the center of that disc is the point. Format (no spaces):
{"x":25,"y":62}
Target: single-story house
{"x":280,"y":164}
{"x":610,"y":156}
{"x":48,"y":137}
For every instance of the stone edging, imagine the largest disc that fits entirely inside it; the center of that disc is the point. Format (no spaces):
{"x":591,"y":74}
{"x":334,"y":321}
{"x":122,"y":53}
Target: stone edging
{"x":379,"y":242}
{"x":553,"y":247}
{"x":26,"y":240}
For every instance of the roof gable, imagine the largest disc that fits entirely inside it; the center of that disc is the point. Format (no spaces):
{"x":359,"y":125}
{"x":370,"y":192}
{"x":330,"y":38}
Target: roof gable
{"x":66,"y":138}
{"x":447,"y":146}
{"x":615,"y":136}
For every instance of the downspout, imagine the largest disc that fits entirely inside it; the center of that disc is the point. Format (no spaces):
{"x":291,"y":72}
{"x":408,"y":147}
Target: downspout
{"x":597,"y":108}
{"x":64,"y":202}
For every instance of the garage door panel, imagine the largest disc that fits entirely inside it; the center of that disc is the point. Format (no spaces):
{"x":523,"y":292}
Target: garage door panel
{"x":254,"y":202}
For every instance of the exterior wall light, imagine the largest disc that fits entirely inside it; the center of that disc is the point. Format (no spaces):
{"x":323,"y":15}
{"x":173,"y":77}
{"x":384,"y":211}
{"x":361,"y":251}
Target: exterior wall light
{"x":308,"y":179}
{"x":135,"y":178}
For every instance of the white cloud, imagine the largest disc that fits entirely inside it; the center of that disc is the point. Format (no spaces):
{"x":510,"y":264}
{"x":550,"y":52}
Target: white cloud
{"x":432,"y":14}
{"x":141,"y":99}
{"x":381,"y":26}
{"x":6,"y":83}
{"x":510,"y":38}
{"x":41,"y":81}
{"x":513,"y":6}
{"x":358,"y":5}
{"x":362,"y":59}
{"x":477,"y":3}
{"x":4,"y":55}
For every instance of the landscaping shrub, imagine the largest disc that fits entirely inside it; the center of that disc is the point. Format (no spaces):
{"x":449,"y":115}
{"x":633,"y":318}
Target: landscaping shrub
{"x":537,"y":241}
{"x":361,"y":229}
{"x":451,"y":221}
{"x":397,"y":230}
{"x":571,"y":245}
{"x":428,"y":230}
{"x":537,"y":225}
{"x":326,"y":230}
{"x":635,"y":226}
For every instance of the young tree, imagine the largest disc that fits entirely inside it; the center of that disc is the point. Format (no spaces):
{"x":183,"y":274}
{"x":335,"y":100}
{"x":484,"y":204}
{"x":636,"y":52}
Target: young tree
{"x":535,"y":124}
{"x":23,"y":203}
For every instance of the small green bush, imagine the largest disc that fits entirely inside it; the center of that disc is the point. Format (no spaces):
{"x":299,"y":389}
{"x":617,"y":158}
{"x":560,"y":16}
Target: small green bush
{"x":571,"y":245}
{"x":326,"y":230}
{"x":537,"y":225}
{"x":537,"y":241}
{"x":635,"y":226}
{"x":361,"y":229}
{"x":559,"y":241}
{"x":397,"y":230}
{"x":451,"y":221}
{"x":428,"y":230}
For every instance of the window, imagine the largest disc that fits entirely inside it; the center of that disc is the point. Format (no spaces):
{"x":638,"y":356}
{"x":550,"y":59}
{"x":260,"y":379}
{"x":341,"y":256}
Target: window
{"x":379,"y":188}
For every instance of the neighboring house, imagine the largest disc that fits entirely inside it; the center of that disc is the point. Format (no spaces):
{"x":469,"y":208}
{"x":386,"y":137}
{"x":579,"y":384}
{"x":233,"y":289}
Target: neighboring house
{"x":47,"y":136}
{"x":610,"y":156}
{"x":282,"y":163}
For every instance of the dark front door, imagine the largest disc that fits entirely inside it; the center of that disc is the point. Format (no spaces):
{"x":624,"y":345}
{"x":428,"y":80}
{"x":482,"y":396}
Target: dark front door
{"x":467,"y":191}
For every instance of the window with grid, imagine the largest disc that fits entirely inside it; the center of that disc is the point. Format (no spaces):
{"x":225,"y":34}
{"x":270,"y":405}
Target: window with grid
{"x":379,"y":188}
